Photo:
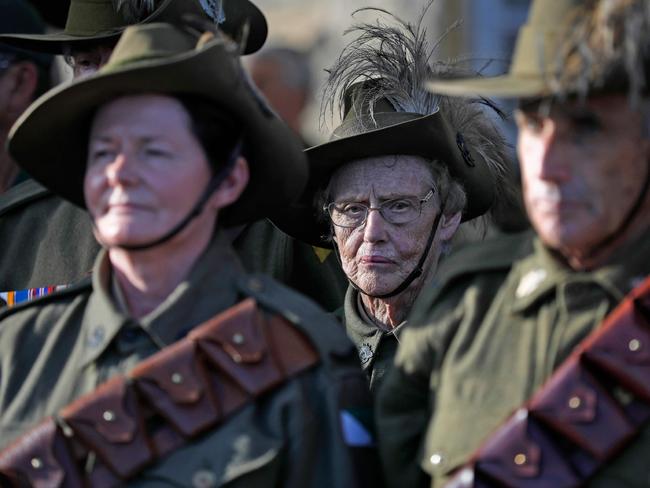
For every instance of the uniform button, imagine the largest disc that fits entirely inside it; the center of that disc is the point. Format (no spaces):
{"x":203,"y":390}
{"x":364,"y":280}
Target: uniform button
{"x":67,"y":431}
{"x":204,"y":479}
{"x":291,"y":317}
{"x":37,"y":463}
{"x":96,"y":337}
{"x":238,"y":339}
{"x":436,"y":459}
{"x":255,"y":284}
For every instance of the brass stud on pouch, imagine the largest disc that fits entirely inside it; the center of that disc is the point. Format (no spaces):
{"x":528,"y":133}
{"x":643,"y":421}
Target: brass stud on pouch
{"x":109,"y":416}
{"x":520,"y":459}
{"x":574,"y":402}
{"x":634,"y":345}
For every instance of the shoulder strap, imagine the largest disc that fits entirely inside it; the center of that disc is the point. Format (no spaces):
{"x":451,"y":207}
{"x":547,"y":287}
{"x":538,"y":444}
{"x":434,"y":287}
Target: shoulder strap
{"x":592,"y":406}
{"x":186,"y":389}
{"x":22,"y":194}
{"x":495,"y":255}
{"x":498,"y":253}
{"x":301,"y":312}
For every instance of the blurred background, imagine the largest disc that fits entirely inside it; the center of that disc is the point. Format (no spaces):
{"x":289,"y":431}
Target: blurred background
{"x":305,"y":36}
{"x":485,"y":36}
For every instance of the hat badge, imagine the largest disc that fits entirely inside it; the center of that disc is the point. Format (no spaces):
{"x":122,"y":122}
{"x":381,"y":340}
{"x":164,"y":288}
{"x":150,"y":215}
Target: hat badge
{"x":365,"y":353}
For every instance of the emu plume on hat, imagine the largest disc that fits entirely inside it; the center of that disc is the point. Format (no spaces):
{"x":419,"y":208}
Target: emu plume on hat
{"x":378,"y":84}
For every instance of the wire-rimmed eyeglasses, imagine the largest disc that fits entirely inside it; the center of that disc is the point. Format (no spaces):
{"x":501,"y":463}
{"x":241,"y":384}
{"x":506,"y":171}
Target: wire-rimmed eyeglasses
{"x":395,"y":211}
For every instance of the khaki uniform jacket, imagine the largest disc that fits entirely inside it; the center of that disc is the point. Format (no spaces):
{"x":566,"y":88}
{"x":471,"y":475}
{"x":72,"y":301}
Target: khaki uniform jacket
{"x":376,"y":347}
{"x":62,"y":346}
{"x":47,"y":241}
{"x":504,"y":316}
{"x":44,"y":240}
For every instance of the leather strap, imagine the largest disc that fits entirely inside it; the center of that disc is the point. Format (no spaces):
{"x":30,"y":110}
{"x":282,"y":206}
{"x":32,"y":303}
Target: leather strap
{"x":108,"y":436}
{"x":592,"y":406}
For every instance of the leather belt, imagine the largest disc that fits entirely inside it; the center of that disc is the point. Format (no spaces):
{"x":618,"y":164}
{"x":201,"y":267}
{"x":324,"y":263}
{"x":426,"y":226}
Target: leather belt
{"x":128,"y":423}
{"x":592,"y":406}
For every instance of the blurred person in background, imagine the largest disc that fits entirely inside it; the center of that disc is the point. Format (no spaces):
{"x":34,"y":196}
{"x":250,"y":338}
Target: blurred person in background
{"x":24,"y":75}
{"x":551,"y":324}
{"x":283,"y":75}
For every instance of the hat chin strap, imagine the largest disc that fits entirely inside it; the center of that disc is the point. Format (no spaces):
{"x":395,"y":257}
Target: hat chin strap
{"x":629,"y":217}
{"x":413,"y":275}
{"x":212,"y":185}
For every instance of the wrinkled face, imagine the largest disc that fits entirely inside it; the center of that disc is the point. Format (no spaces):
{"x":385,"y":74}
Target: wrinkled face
{"x":378,"y":255}
{"x":583,"y":166}
{"x":146,"y":170}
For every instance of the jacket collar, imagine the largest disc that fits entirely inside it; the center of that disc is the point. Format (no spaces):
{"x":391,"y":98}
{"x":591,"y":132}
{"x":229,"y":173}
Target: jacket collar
{"x":544,"y":272}
{"x":365,"y":335}
{"x":209,"y":288}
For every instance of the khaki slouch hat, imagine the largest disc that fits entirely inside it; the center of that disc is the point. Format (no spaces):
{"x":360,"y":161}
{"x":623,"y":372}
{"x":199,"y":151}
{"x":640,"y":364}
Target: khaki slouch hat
{"x":50,"y":139}
{"x":571,"y":47}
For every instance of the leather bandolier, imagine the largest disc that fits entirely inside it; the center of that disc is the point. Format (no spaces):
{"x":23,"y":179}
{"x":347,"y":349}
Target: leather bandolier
{"x":106,"y":437}
{"x":592,"y":406}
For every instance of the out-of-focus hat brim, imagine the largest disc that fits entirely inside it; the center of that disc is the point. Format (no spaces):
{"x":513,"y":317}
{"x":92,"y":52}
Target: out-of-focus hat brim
{"x":78,"y":34}
{"x":506,"y":86}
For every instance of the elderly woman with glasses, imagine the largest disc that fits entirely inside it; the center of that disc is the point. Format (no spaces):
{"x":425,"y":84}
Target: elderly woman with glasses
{"x":388,"y":192}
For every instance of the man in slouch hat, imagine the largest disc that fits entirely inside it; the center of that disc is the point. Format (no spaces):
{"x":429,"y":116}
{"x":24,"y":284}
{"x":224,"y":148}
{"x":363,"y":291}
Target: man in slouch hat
{"x":59,"y":247}
{"x":23,"y":76}
{"x":511,"y":316}
{"x":173,"y":367}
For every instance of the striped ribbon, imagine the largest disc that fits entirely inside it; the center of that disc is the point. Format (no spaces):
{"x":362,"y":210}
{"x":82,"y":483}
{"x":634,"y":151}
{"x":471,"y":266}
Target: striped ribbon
{"x":12,"y":298}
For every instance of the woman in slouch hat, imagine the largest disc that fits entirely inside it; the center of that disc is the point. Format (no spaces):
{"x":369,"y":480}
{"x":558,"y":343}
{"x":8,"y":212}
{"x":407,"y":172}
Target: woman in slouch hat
{"x":398,"y":176}
{"x":173,"y":366}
